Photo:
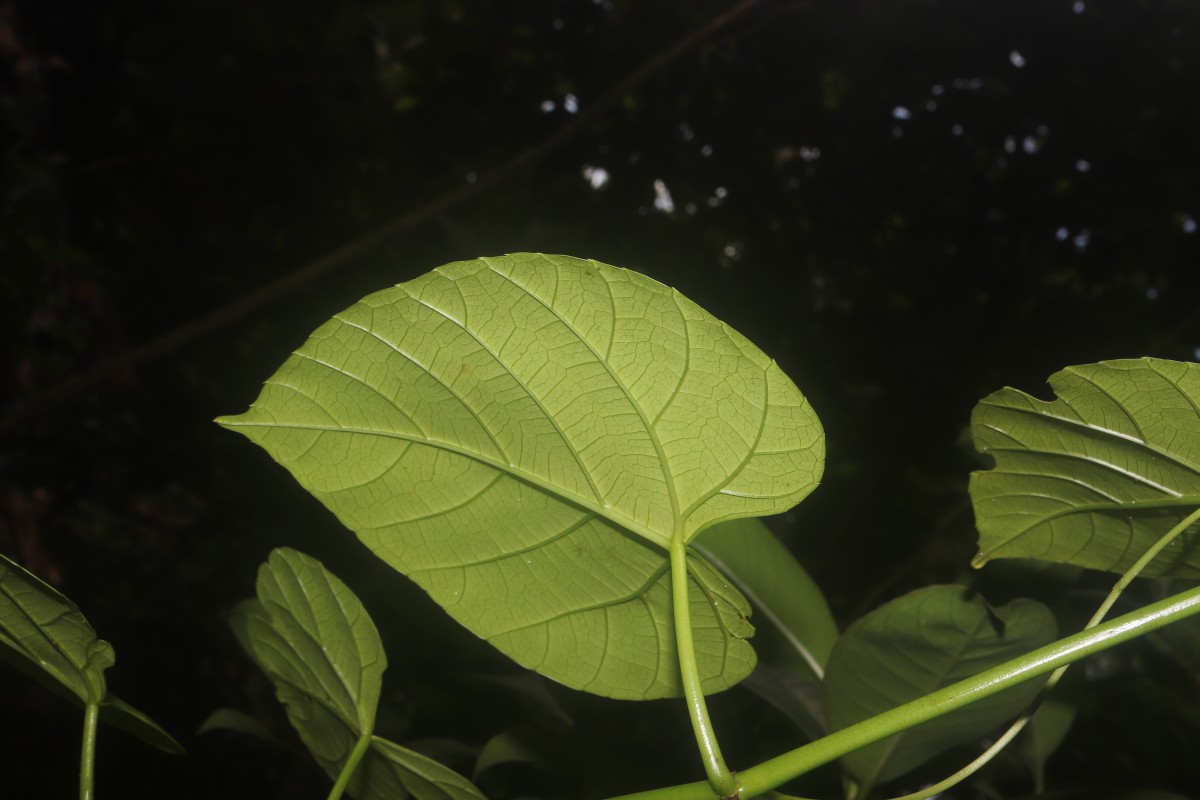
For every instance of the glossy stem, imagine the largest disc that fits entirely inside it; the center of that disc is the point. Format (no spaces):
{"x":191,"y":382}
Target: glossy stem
{"x":87,"y":756}
{"x":720,"y":778}
{"x":763,"y":778}
{"x":1017,"y":726}
{"x":356,"y":755}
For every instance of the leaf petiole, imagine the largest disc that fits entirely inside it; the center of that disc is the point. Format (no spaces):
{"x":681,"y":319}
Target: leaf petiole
{"x":719,"y":775}
{"x":356,"y":755}
{"x":87,"y":756}
{"x":761,"y":779}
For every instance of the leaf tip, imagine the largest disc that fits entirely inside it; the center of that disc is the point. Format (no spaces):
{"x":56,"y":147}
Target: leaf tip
{"x":227,"y":420}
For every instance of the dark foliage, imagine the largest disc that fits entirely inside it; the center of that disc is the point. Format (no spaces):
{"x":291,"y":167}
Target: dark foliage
{"x":907,"y":204}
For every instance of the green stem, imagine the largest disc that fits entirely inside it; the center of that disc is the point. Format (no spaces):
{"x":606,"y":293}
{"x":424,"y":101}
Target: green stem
{"x":781,"y":769}
{"x":87,"y":756}
{"x":356,"y":755}
{"x":1118,"y":588}
{"x":720,"y":777}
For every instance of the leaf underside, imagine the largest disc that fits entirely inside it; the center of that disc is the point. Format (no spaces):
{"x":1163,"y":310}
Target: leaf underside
{"x":523,"y":436}
{"x":801,"y":629}
{"x":917,"y":644}
{"x":312,"y":637}
{"x":1097,"y":476}
{"x":45,"y":633}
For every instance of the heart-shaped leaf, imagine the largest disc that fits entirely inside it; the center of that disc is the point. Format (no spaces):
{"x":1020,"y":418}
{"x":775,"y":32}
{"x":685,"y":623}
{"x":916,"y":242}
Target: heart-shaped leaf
{"x":1097,"y":476}
{"x":917,"y":644}
{"x":43,"y":632}
{"x":315,"y":641}
{"x":525,"y":435}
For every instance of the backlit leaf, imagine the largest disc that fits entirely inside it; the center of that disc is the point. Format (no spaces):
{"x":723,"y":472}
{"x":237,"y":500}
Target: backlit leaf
{"x":315,"y":641}
{"x":795,"y":630}
{"x":917,"y":644}
{"x":43,"y":632}
{"x":45,"y":635}
{"x":1096,"y":476}
{"x":116,"y":712}
{"x":524,"y":435}
{"x":392,"y":772}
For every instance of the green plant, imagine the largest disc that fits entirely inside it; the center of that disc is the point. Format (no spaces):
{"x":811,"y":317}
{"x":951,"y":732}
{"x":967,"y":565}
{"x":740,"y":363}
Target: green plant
{"x":558,"y":451}
{"x":44,"y":634}
{"x":571,"y":459}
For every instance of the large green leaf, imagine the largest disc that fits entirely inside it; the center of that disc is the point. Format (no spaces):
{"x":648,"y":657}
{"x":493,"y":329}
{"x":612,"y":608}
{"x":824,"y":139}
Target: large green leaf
{"x":1096,"y":476}
{"x":44,"y":632}
{"x":524,"y":436}
{"x":315,"y":641}
{"x":917,"y":644}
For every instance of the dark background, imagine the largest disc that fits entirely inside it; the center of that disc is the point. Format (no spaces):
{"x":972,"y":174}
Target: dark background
{"x":907,"y":204}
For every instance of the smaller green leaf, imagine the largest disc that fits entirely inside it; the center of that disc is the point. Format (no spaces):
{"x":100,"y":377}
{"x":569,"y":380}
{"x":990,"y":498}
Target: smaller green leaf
{"x":315,"y":641}
{"x":39,"y":627}
{"x":116,"y":712}
{"x":516,"y":746}
{"x":392,"y":772}
{"x":797,"y":698}
{"x":313,"y":638}
{"x":534,"y":690}
{"x":801,"y":631}
{"x":231,"y":719}
{"x":1046,"y":731}
{"x":917,"y":644}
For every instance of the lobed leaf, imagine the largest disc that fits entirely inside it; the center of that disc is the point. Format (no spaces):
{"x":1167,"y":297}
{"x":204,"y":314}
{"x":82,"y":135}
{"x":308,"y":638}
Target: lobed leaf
{"x":524,"y":435}
{"x":1098,"y":475}
{"x":917,"y":644}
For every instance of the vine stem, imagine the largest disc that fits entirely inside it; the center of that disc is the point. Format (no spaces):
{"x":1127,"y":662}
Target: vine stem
{"x":720,"y":777}
{"x":356,"y":755}
{"x":87,"y":756}
{"x":763,"y":778}
{"x":1017,"y":726}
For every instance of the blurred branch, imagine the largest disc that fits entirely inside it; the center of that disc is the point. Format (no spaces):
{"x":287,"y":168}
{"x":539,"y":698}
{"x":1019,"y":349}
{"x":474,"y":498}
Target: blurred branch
{"x":24,"y":409}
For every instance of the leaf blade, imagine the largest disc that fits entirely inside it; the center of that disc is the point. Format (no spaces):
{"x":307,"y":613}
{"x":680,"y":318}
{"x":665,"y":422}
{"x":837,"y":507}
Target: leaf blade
{"x":543,"y":427}
{"x":1096,"y":476}
{"x":43,"y":630}
{"x":919,"y":643}
{"x":319,"y":647}
{"x":390,"y":771}
{"x":314,"y":639}
{"x":802,"y":627}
